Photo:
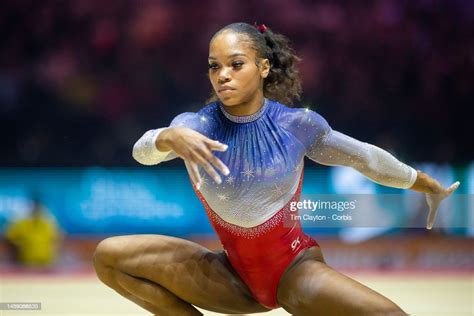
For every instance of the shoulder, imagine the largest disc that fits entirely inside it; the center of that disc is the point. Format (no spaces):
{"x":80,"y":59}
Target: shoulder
{"x":207,"y":112}
{"x":308,"y":126}
{"x":201,"y":121}
{"x":209,"y":109}
{"x":295,"y":118}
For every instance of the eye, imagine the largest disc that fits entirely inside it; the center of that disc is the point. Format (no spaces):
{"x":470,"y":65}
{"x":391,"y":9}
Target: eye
{"x":237,"y":64}
{"x":213,"y":66}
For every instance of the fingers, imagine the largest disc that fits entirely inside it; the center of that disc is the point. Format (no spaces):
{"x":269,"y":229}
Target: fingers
{"x":204,"y":163}
{"x":434,"y":200}
{"x":432,"y":216}
{"x":453,"y":187}
{"x":216,"y":145}
{"x":218,"y":164}
{"x":194,"y":173}
{"x":199,"y":153}
{"x":209,"y":169}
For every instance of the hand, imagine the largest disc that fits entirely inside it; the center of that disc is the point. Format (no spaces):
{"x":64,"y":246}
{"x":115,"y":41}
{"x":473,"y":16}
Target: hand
{"x":435,"y":197}
{"x":195,"y":149}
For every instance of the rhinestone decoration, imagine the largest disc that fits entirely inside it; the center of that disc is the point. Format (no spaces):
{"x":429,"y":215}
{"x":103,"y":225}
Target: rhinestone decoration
{"x":244,"y":118}
{"x":277,"y":219}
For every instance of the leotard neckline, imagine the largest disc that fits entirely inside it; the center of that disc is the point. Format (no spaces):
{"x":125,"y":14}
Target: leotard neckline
{"x":245,"y":118}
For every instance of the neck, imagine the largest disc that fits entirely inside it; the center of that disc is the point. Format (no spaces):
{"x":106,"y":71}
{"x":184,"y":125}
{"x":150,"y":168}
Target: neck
{"x":246,"y":108}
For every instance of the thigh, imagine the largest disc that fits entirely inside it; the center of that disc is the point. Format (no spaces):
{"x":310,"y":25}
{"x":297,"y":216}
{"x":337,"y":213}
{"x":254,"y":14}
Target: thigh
{"x":188,"y":270}
{"x":310,"y":287}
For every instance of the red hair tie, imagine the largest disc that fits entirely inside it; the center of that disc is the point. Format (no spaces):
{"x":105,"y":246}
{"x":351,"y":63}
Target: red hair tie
{"x":262,"y":27}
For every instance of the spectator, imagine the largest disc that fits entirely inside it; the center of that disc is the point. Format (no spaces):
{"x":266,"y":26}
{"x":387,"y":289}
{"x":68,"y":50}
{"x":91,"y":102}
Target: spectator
{"x":34,"y":238}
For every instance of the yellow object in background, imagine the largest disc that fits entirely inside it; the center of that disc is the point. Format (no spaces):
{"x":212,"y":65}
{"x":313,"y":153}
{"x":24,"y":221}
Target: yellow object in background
{"x":35,"y":238}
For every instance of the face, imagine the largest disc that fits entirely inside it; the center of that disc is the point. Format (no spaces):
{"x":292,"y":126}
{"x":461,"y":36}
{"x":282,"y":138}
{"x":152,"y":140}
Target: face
{"x":233,"y":71}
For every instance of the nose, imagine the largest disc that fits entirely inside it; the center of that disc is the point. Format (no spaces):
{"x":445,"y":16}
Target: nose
{"x":224,"y":75}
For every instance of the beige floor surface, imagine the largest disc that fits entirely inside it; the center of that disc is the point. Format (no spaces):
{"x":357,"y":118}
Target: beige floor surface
{"x":420,"y":295}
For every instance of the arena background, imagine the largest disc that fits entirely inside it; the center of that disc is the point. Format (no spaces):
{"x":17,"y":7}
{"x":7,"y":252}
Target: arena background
{"x":81,"y":81}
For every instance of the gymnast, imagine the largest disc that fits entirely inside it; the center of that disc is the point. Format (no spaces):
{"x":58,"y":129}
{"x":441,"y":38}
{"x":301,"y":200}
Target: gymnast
{"x":244,"y":154}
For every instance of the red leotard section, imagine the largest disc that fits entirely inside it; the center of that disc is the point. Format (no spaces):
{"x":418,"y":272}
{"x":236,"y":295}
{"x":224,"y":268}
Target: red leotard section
{"x":261,"y":254}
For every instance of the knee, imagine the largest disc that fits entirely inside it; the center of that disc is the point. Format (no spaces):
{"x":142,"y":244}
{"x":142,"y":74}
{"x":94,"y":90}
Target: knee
{"x":102,"y":264}
{"x":105,"y":254}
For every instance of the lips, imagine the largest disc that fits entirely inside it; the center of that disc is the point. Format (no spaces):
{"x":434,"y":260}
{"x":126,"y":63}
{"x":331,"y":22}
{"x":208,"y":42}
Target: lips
{"x":225,"y":88}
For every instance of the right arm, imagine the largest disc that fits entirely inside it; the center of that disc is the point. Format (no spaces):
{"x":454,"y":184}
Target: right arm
{"x":180,"y":140}
{"x":145,"y":150}
{"x":150,"y":149}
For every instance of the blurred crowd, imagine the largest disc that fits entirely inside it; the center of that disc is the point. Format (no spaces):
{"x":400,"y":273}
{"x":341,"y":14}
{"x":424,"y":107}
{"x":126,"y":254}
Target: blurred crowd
{"x":80,"y":81}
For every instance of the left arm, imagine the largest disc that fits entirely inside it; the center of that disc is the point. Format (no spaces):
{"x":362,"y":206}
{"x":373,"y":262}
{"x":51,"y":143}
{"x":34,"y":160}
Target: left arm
{"x":333,"y":148}
{"x":337,"y":149}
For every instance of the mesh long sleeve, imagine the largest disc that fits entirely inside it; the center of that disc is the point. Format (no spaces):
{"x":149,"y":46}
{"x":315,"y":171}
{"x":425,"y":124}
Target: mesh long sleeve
{"x":338,"y":149}
{"x":145,"y":151}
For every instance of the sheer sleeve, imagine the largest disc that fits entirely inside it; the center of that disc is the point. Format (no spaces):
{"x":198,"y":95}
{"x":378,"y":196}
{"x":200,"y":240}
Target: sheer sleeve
{"x":308,"y":126}
{"x":145,"y":151}
{"x":338,"y":149}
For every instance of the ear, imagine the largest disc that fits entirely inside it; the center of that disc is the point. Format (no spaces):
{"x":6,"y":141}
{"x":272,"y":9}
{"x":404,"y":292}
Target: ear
{"x":264,"y":68}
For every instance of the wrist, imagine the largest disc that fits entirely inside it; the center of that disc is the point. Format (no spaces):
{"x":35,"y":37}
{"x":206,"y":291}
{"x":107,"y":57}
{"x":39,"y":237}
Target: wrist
{"x":426,"y":184}
{"x":420,"y":183}
{"x":163,"y":140}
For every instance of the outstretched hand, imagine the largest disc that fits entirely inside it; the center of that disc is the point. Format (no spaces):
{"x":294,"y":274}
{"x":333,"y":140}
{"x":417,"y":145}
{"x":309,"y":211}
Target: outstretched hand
{"x":196,"y":150}
{"x":435,"y":198}
{"x":435,"y":193}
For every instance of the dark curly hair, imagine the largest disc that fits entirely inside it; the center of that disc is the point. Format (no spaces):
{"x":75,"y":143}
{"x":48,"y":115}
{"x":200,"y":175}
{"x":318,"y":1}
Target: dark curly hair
{"x":283,"y":83}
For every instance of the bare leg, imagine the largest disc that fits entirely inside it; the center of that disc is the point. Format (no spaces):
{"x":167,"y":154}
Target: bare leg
{"x":310,"y":287}
{"x":167,"y":276}
{"x":144,"y":293}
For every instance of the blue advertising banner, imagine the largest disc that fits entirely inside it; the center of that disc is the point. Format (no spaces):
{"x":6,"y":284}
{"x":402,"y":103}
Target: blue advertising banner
{"x":161,"y":200}
{"x":106,"y":201}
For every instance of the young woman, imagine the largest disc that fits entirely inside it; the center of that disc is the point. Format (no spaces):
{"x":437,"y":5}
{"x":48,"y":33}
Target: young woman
{"x":250,"y":146}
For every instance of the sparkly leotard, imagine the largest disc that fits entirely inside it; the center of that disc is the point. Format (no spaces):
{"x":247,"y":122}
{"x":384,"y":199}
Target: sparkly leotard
{"x":249,"y":210}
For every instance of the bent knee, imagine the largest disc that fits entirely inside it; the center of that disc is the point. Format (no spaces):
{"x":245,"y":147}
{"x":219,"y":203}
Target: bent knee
{"x":106,"y":252}
{"x":105,"y":258}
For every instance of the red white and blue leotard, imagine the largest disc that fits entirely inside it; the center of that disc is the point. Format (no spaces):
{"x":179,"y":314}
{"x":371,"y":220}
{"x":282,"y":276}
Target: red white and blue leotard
{"x":249,"y":210}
